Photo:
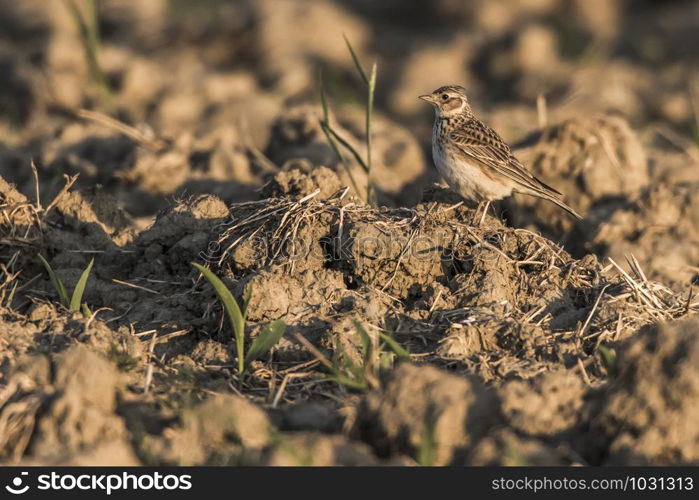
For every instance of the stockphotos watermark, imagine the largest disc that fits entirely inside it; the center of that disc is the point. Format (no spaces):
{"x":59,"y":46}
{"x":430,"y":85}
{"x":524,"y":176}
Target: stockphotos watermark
{"x":107,"y":483}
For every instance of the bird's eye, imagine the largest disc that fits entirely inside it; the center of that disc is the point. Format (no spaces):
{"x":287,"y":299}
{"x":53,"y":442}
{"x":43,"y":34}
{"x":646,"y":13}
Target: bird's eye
{"x":445,"y":97}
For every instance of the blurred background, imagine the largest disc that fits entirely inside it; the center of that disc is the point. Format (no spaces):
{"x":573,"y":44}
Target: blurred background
{"x":600,"y":97}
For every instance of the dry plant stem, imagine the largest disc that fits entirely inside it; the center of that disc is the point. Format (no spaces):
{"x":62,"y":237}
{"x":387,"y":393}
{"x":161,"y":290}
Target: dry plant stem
{"x":127,"y":130}
{"x":643,"y":294}
{"x":585,"y":325}
{"x":263,"y":161}
{"x":313,"y":350}
{"x":283,"y":385}
{"x":93,"y":316}
{"x":70,"y":180}
{"x":139,"y":287}
{"x":164,"y":338}
{"x":36,"y":185}
{"x":149,"y":370}
{"x":486,"y":205}
{"x":583,"y":372}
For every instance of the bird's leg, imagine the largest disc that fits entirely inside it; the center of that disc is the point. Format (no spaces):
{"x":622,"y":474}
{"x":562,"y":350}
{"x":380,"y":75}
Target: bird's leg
{"x":476,"y":212}
{"x":485,"y":211}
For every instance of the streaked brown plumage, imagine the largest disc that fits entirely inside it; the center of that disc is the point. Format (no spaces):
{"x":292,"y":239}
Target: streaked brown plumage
{"x":473,"y":159}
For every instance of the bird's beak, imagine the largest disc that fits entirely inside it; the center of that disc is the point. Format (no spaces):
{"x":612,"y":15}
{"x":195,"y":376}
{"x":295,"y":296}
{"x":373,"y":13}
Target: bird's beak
{"x":427,"y":97}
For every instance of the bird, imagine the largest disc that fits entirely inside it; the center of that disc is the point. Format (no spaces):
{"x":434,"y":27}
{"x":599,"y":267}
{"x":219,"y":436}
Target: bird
{"x":474,"y":160}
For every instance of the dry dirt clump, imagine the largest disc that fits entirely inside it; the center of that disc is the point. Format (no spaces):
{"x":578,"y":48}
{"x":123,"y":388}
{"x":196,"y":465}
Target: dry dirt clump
{"x":315,"y":449}
{"x":61,"y":410}
{"x":632,"y":205}
{"x":659,"y":229}
{"x":421,"y":408}
{"x":215,"y":431}
{"x":88,"y":219}
{"x":548,"y":405}
{"x":489,"y":302}
{"x":147,"y":281}
{"x":503,"y":447}
{"x":230,"y":430}
{"x":50,"y":329}
{"x":649,"y":411}
{"x":472,"y":291}
{"x":181,"y":232}
{"x":298,"y":182}
{"x":597,"y":163}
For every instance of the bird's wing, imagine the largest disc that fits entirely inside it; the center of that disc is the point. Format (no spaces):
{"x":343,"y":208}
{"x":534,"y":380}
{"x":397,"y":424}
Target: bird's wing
{"x":480,"y":142}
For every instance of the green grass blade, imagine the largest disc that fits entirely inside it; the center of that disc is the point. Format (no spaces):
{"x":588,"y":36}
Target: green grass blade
{"x":367,"y":347}
{"x":608,"y":360}
{"x":80,"y":288}
{"x":267,"y":339}
{"x":344,"y":365}
{"x":349,"y":148}
{"x":329,"y":133}
{"x":369,"y":112}
{"x":92,"y":23}
{"x":332,"y":134}
{"x":323,"y":100}
{"x":334,"y":138}
{"x":234,"y":313}
{"x":345,"y":164}
{"x":246,"y":301}
{"x":88,"y":27}
{"x":349,"y":383}
{"x":395,"y":347}
{"x":354,"y":384}
{"x":349,"y":366}
{"x":86,"y":310}
{"x":427,"y":451}
{"x":57,"y":284}
{"x":357,"y":64}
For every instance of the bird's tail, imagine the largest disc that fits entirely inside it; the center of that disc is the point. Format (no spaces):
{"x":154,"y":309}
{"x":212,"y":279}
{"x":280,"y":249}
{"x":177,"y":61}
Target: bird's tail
{"x":536,"y":187}
{"x":565,"y":207}
{"x":542,"y":190}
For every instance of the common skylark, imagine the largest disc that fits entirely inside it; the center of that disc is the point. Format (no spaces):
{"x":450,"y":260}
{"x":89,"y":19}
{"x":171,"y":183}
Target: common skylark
{"x":474,"y":160}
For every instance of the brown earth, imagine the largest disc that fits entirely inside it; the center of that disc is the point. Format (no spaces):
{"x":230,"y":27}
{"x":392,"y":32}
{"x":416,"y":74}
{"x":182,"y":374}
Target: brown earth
{"x":533,"y":339}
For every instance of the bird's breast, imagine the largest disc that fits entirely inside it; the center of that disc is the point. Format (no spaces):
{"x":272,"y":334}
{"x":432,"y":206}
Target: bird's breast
{"x":465,"y":175}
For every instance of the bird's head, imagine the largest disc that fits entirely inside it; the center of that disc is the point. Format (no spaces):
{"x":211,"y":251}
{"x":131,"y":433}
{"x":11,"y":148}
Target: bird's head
{"x":448,"y":101}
